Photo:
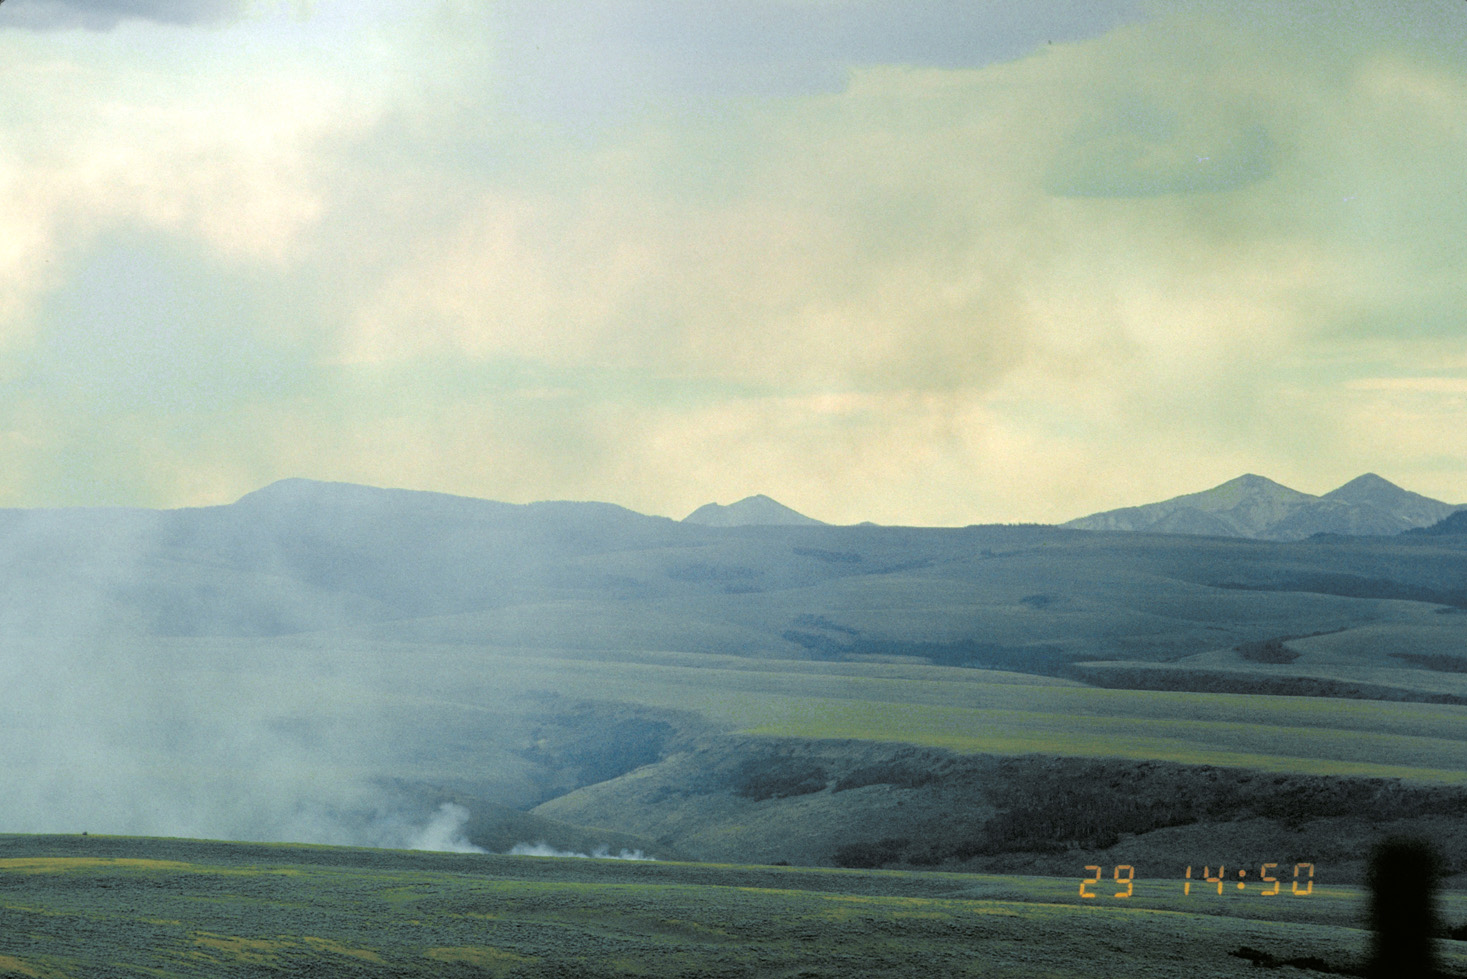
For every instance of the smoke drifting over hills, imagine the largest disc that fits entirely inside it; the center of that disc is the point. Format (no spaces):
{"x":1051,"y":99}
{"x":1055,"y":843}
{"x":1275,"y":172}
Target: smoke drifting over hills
{"x":136,"y":703}
{"x":228,"y":672}
{"x":445,"y":832}
{"x":151,"y":738}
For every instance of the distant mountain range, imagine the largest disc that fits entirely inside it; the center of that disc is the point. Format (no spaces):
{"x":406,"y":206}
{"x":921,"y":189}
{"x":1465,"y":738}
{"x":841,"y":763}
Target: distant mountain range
{"x":751,"y":511}
{"x":1258,"y":508}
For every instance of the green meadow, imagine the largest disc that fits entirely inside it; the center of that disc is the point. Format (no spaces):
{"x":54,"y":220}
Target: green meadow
{"x":983,"y":711}
{"x":81,"y":907}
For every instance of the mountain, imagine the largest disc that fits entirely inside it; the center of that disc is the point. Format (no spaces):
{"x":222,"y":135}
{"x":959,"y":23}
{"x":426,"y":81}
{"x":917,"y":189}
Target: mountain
{"x":1254,"y":507}
{"x":751,"y":511}
{"x":1242,"y":507}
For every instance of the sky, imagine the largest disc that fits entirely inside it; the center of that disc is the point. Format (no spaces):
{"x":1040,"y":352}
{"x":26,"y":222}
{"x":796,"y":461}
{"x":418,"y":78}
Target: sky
{"x":909,"y":261}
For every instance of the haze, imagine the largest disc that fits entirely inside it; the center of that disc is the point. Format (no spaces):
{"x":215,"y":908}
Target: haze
{"x":925,"y":263}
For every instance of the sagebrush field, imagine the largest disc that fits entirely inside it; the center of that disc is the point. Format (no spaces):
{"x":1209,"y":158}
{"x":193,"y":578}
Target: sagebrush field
{"x":79,"y":907}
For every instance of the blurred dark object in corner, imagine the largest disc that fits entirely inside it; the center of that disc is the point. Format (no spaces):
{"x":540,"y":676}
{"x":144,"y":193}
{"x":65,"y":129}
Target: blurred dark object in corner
{"x":1403,"y":877}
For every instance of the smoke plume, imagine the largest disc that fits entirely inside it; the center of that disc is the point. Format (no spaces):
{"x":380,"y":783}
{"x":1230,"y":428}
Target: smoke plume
{"x":600,"y":853}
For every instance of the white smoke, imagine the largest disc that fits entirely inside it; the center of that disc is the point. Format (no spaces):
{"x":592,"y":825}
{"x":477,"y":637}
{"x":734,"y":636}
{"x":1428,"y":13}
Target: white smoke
{"x":445,"y":832}
{"x":600,"y":853}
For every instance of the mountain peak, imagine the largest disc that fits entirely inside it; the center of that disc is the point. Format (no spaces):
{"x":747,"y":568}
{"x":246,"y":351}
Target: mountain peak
{"x":1364,"y":483}
{"x":1378,"y":493}
{"x":757,"y":510}
{"x":1250,"y":484}
{"x":1255,"y":506}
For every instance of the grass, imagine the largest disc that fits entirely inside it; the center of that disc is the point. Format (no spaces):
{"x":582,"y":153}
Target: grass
{"x":106,"y":906}
{"x":982,"y":711}
{"x":1243,"y":744}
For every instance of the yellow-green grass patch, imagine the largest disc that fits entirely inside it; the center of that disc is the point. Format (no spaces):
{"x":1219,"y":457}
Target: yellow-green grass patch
{"x":255,"y":951}
{"x":61,"y":865}
{"x":334,"y":947}
{"x":9,"y":964}
{"x":496,"y":961}
{"x":1312,"y":749}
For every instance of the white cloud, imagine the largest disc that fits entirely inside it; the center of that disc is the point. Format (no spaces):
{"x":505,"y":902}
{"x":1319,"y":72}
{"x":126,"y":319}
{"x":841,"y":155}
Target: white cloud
{"x":238,"y":156}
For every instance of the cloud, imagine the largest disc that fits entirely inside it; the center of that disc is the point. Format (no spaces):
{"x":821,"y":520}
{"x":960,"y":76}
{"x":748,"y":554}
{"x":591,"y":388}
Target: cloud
{"x":1423,"y":385}
{"x":102,"y":15}
{"x":141,"y":324}
{"x":1140,"y":152}
{"x":897,"y":284}
{"x":576,"y":62}
{"x":123,"y":142}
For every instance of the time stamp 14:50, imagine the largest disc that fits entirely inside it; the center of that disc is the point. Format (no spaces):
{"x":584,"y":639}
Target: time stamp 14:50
{"x":1266,"y":882}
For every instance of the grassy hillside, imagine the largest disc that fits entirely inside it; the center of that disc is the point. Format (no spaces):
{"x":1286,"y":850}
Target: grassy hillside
{"x":107,"y":907}
{"x":871,"y":805}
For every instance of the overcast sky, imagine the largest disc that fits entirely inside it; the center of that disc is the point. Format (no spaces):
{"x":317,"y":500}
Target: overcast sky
{"x":912,"y":262}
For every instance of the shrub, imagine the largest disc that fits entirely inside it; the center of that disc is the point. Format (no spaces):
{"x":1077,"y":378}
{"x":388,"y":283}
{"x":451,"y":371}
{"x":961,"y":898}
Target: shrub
{"x":870,"y":855}
{"x":778,"y":778}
